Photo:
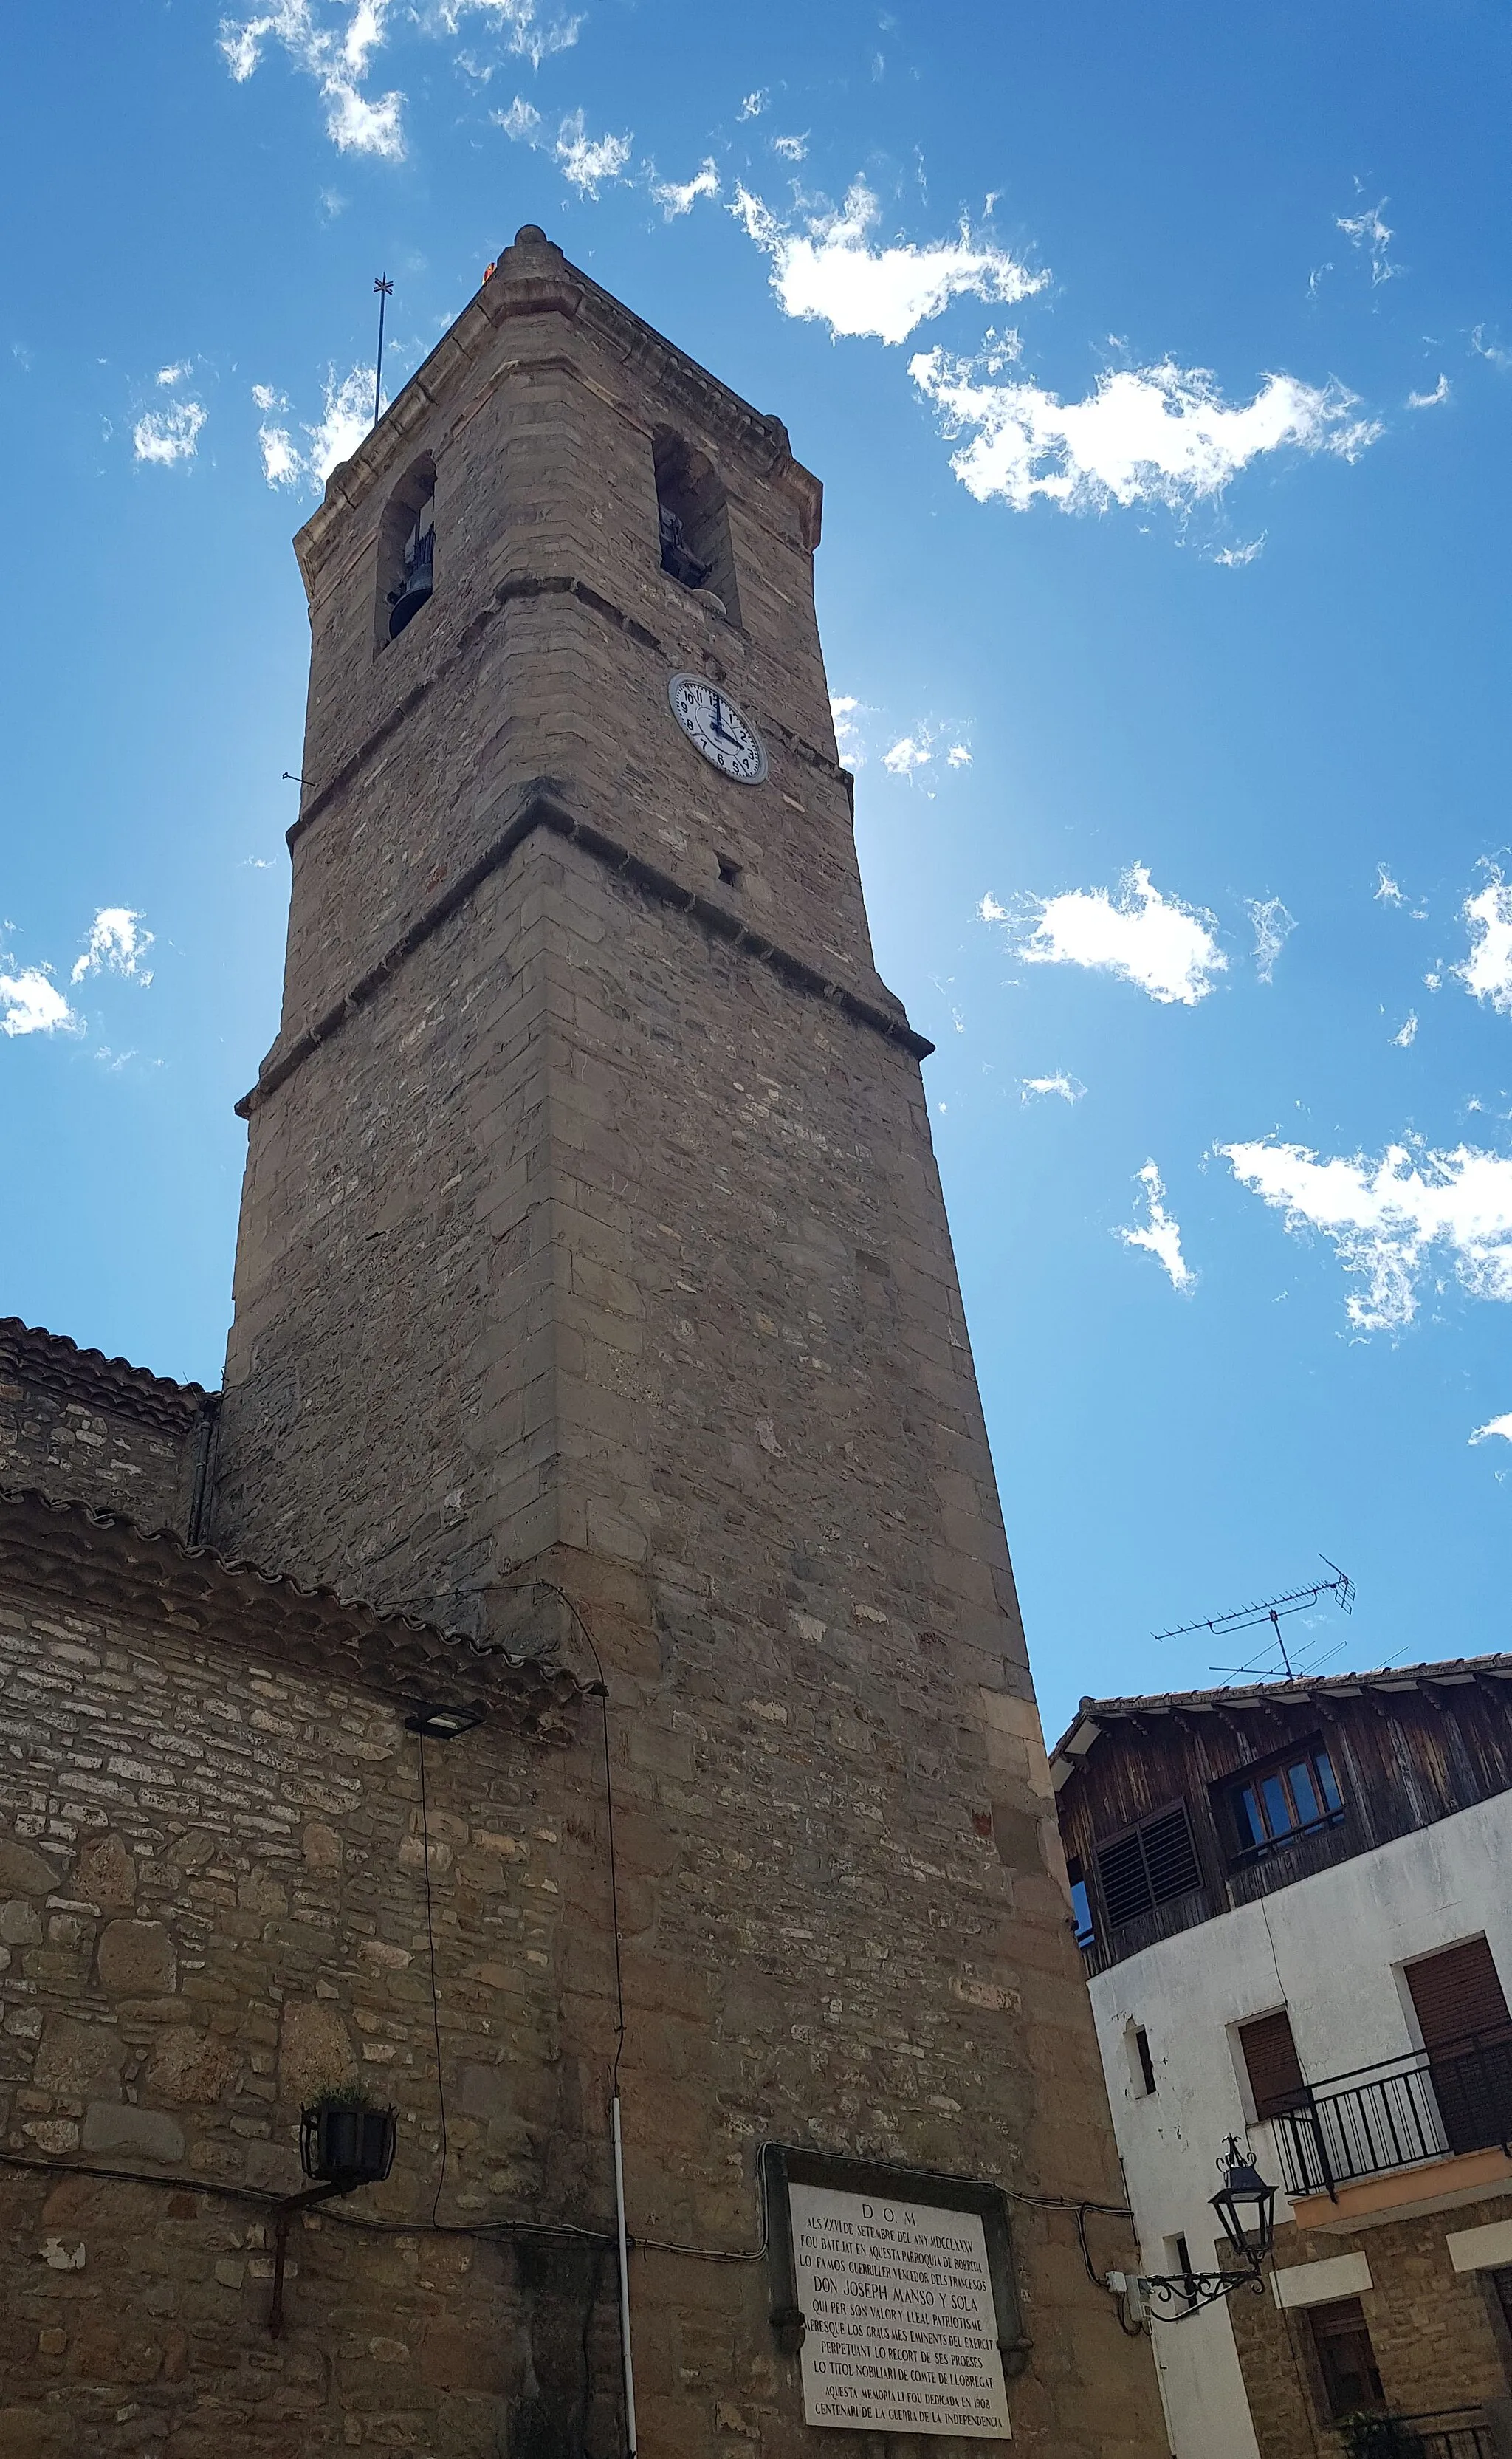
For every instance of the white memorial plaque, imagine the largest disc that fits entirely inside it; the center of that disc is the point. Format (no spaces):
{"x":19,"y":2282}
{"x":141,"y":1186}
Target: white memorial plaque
{"x":902,"y":2327}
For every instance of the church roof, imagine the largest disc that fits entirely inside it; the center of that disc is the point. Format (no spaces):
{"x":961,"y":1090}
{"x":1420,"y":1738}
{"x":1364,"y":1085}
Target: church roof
{"x":1095,"y":1716}
{"x":100,"y":1562}
{"x":49,"y":1359}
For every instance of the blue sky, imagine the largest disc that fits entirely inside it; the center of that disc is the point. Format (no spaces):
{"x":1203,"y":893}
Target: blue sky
{"x":1159,"y":365}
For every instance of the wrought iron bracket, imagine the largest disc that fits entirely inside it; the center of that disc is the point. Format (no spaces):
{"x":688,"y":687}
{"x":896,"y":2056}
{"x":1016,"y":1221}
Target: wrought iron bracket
{"x":1170,"y":2297}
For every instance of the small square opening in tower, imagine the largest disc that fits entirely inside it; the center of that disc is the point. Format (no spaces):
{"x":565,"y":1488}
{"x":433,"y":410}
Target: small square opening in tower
{"x":729,"y":872}
{"x":693,"y":523}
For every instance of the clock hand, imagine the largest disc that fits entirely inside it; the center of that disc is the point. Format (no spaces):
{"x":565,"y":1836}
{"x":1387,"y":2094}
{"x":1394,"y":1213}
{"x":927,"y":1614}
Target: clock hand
{"x":719,"y":719}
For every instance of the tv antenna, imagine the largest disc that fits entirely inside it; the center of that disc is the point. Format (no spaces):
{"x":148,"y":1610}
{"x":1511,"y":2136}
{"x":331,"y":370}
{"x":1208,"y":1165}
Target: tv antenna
{"x":1273,"y":1610}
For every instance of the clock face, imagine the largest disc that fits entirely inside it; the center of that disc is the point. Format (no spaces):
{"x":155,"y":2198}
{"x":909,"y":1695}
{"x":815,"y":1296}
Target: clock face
{"x":715,"y":726}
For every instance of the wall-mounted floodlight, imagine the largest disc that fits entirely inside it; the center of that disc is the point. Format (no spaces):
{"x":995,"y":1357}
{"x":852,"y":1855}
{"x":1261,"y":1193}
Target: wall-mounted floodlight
{"x":443,"y":1724}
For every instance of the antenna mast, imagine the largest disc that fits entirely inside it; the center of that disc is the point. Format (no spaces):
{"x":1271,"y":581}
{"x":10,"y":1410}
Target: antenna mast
{"x":1272,"y":1610}
{"x":383,"y":291}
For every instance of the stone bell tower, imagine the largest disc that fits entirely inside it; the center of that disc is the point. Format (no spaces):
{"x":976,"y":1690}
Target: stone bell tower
{"x":591,"y":1233}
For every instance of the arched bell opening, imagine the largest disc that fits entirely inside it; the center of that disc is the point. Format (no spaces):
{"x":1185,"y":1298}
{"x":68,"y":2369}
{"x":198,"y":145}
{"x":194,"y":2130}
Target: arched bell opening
{"x":406,"y":551}
{"x":693,"y":522}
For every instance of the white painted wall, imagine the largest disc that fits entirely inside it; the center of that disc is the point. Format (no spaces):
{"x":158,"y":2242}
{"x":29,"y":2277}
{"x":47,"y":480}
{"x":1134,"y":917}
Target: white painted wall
{"x":1330,"y":1949}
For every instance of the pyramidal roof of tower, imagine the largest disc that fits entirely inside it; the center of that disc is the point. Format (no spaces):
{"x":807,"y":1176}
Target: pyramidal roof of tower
{"x":534,"y":277}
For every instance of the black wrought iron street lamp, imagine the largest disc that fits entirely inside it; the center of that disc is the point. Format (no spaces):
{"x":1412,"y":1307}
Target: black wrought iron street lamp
{"x":1246,"y":2209}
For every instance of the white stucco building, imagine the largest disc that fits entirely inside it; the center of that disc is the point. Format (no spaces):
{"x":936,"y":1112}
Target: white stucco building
{"x":1295,"y":1905}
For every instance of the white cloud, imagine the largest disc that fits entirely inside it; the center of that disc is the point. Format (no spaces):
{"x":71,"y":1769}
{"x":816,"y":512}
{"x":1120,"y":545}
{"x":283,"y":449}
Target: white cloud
{"x":336,"y":56}
{"x":1408,"y":1035}
{"x":589,"y":160}
{"x":1494,"y":1427}
{"x":1069,"y":1088}
{"x":1430,"y":400}
{"x":990,"y":910}
{"x":1235,"y":557}
{"x":1368,"y":231}
{"x":1387,"y":891}
{"x":958,"y":756}
{"x":1272,"y":926}
{"x":1159,"y":434}
{"x":357,"y":124}
{"x":31,"y":1003}
{"x":1159,"y":1235}
{"x":909,"y":753}
{"x":1487,"y":970}
{"x":1387,"y":1217}
{"x":176,"y":373}
{"x":754,"y":104}
{"x":169,"y":435}
{"x":530,"y":34}
{"x":347,"y":419}
{"x":846,"y":711}
{"x":265,"y":397}
{"x":834,"y":272}
{"x":522,"y":120}
{"x":680,"y":196}
{"x":792,"y":149}
{"x":1489,"y":350}
{"x":115,"y":943}
{"x":1167,"y":948}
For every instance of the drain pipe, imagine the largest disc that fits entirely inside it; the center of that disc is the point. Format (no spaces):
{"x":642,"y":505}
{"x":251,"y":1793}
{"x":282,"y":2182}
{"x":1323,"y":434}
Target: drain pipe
{"x":624,"y":2283}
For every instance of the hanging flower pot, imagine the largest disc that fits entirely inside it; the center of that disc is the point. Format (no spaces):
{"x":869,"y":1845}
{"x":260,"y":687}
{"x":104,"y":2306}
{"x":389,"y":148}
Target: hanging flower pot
{"x":346,"y":2139}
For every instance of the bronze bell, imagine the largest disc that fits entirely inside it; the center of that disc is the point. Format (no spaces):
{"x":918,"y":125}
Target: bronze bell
{"x":407,"y":601}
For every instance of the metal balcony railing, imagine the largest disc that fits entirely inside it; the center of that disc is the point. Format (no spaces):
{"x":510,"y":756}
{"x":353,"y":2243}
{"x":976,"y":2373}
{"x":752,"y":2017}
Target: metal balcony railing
{"x":1453,"y":2433}
{"x":1422,"y":2106}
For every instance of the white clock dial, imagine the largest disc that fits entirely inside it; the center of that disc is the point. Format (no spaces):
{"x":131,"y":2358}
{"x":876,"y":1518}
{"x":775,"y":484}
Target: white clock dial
{"x":715,"y":726}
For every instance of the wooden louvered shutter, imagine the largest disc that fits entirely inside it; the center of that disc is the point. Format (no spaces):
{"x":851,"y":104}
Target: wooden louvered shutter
{"x":1148,"y":1866}
{"x":1272,"y":2064}
{"x":1457,"y":1994}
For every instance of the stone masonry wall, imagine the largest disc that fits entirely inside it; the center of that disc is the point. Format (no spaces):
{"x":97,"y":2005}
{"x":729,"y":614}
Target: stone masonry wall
{"x":1437,"y":2334}
{"x":73,"y":1430}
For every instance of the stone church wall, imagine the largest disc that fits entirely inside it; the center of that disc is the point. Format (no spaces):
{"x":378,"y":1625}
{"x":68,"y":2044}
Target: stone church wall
{"x":77,"y":1427}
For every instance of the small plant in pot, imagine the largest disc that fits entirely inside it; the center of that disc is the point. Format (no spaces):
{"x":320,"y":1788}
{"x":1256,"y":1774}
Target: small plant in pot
{"x":346,"y":2136}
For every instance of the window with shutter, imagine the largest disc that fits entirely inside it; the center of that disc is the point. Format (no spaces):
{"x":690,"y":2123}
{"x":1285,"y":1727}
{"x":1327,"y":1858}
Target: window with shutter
{"x":1273,"y":2065}
{"x":1154,"y":1863}
{"x":1346,"y":2359}
{"x":1458,"y":1993}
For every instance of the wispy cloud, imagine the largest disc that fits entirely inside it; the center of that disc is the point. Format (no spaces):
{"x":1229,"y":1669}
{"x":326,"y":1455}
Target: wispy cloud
{"x":1160,"y":1234}
{"x":1386,"y":891}
{"x":1387,"y":1218}
{"x":345,"y":419}
{"x":1167,"y":948}
{"x":116,"y":944}
{"x":1404,"y":1040}
{"x":175,"y":375}
{"x":336,"y":54}
{"x":1273,"y":927}
{"x":1501,"y":1426}
{"x":677,"y":196}
{"x":1430,"y":400}
{"x":527,"y":29}
{"x":1487,"y":970}
{"x":170,"y":435}
{"x":1492,"y":351}
{"x":588,"y":161}
{"x":959,"y":756}
{"x":1368,"y":231}
{"x":832,"y":270}
{"x":792,"y":149}
{"x":909,"y":753}
{"x":1235,"y":557}
{"x":1067,"y":1088}
{"x":754,"y":104}
{"x":847,"y":712}
{"x":31,"y":1003}
{"x":1158,"y":434}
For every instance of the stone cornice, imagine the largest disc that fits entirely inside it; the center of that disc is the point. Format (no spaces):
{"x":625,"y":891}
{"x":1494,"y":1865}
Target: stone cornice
{"x":99,"y":1563}
{"x":539,"y":808}
{"x":50,"y":1362}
